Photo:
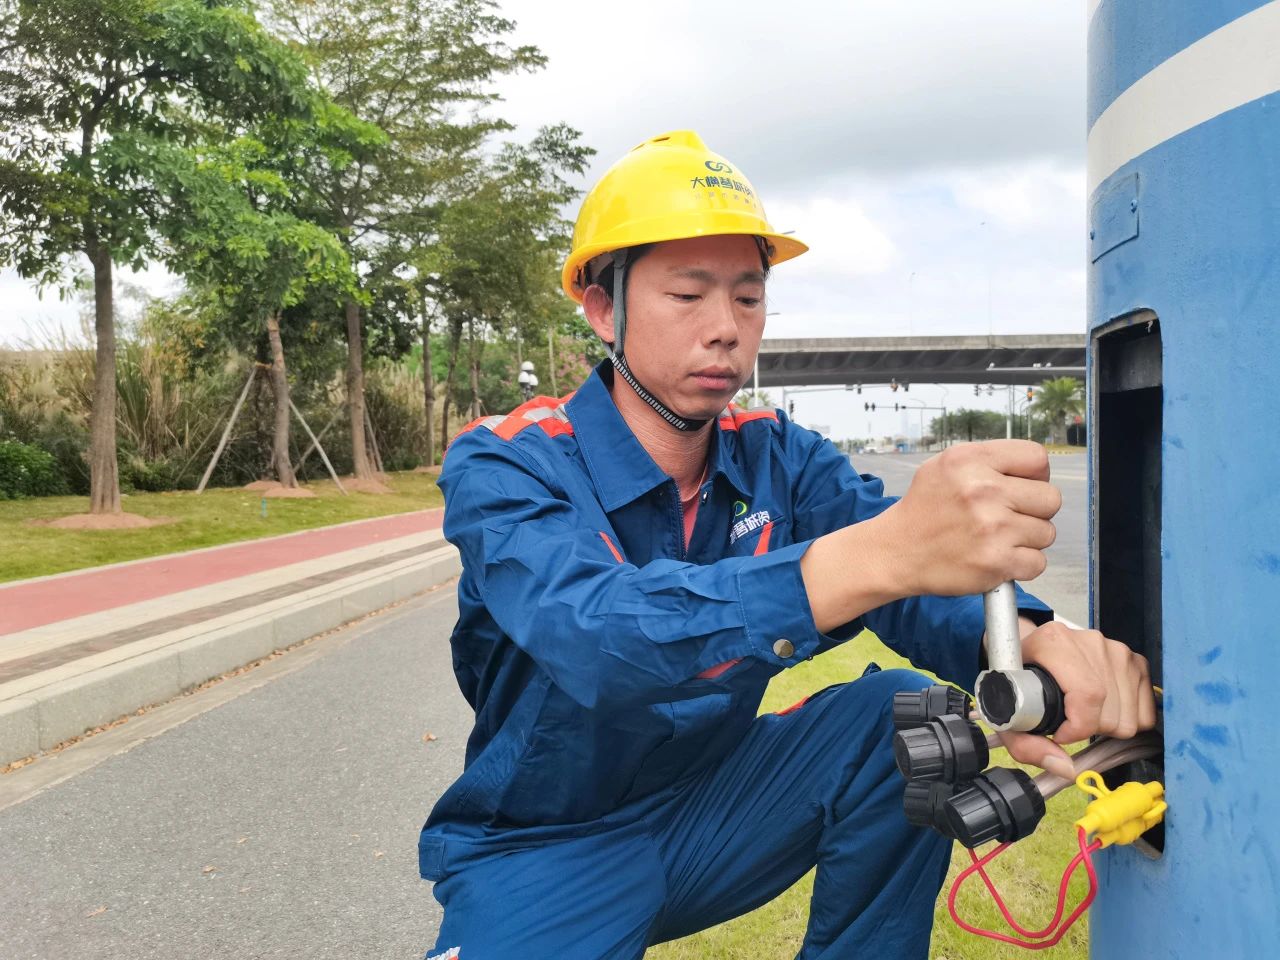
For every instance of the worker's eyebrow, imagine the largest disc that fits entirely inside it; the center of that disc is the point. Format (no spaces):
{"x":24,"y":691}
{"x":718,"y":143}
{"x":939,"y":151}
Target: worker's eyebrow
{"x":706,"y":276}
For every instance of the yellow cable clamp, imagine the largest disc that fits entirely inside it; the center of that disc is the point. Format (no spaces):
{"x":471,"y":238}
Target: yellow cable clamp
{"x":1121,"y":815}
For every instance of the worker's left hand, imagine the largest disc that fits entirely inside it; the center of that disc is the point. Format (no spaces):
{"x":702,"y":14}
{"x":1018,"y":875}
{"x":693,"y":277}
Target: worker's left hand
{"x":1106,"y":686}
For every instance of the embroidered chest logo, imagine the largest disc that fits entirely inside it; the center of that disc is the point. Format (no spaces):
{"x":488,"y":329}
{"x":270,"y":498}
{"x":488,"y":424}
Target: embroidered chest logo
{"x":746,"y":523}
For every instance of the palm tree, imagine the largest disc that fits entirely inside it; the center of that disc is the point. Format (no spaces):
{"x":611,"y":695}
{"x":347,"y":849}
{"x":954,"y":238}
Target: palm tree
{"x":1056,"y":400}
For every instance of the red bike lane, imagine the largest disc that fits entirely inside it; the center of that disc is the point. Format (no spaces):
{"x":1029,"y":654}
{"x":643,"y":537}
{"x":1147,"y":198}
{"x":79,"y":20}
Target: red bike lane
{"x":32,"y":603}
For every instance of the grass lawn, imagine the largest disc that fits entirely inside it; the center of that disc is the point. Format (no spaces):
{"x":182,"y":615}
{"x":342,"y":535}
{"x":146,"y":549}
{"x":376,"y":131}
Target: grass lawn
{"x":1027,"y":875}
{"x":213,"y":517}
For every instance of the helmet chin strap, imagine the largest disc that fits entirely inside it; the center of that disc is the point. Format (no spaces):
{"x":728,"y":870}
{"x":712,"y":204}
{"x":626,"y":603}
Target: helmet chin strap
{"x":620,"y":361}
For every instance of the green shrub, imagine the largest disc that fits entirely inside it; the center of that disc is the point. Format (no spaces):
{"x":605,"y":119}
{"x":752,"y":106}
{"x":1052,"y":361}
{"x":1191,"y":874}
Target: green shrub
{"x":401,"y":460}
{"x":153,"y":476}
{"x":68,"y":442}
{"x":28,"y":471}
{"x":394,"y":396}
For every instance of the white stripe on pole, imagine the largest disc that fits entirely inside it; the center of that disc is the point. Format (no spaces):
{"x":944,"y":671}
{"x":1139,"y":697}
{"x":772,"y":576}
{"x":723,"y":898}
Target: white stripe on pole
{"x":1234,"y":65}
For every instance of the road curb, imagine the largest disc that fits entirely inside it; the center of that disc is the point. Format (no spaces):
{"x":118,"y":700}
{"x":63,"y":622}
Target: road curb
{"x":52,"y":714}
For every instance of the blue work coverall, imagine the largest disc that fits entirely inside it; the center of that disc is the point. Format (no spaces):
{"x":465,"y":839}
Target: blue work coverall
{"x":619,"y":789}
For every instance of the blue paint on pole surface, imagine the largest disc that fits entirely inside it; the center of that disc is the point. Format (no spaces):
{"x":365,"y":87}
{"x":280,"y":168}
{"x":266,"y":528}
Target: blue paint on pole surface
{"x":1127,"y":40}
{"x":1206,"y":262}
{"x":1212,"y":733}
{"x":1216,"y":693}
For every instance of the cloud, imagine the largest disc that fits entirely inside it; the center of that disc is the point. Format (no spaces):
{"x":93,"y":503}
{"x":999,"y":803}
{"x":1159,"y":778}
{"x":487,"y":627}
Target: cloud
{"x":25,"y":315}
{"x":936,"y":253}
{"x":1023,"y":199}
{"x":843,"y":240}
{"x":802,"y":92}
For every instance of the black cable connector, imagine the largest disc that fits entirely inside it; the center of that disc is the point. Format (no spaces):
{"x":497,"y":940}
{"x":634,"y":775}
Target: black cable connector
{"x":952,"y":749}
{"x":1001,"y":804}
{"x":914,"y":708}
{"x":924,"y":803}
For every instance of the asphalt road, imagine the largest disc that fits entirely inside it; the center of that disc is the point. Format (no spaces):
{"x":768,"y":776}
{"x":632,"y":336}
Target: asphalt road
{"x":1064,"y":585}
{"x":282,"y":823}
{"x":276,"y":814}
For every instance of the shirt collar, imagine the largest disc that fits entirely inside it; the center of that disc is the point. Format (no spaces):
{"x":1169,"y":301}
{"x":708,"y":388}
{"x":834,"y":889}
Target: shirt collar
{"x":620,"y":467}
{"x":722,"y":461}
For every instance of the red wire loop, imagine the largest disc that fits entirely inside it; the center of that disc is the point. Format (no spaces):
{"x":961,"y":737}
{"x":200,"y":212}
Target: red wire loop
{"x":1035,"y":939}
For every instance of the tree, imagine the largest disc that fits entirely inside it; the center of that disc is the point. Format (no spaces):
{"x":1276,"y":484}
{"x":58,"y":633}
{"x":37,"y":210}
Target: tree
{"x":89,"y":89}
{"x":971,"y":424}
{"x":233,"y":229}
{"x":401,"y":305}
{"x":499,"y":247}
{"x":1056,"y":401}
{"x":406,"y":66}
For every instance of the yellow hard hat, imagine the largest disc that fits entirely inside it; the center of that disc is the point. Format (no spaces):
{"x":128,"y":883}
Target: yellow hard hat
{"x":671,"y":187}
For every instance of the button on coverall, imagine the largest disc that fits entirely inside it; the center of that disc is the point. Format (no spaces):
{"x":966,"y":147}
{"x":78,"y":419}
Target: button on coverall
{"x":619,"y":789}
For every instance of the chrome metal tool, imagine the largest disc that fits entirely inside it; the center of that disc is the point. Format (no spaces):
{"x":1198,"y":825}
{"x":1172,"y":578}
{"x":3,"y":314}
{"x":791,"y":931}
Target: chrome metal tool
{"x":1011,"y":696}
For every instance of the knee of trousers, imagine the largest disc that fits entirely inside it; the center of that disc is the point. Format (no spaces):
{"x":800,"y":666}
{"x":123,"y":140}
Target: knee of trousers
{"x":864,"y":710}
{"x":868,"y":701}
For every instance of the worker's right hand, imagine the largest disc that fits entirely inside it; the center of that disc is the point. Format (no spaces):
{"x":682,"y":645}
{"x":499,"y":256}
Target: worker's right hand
{"x":975,"y":516}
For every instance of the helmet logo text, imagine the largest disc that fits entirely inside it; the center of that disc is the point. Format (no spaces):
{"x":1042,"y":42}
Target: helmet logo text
{"x":724,"y":183}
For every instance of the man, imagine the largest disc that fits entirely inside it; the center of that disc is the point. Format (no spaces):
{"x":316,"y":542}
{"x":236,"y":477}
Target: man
{"x":638,"y":562}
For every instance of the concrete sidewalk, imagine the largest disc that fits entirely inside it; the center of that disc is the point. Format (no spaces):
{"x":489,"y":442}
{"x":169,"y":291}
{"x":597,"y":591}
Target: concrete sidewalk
{"x":81,"y":649}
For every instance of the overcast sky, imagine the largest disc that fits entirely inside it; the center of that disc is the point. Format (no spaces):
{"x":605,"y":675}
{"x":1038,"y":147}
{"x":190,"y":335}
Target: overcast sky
{"x":931,"y":153}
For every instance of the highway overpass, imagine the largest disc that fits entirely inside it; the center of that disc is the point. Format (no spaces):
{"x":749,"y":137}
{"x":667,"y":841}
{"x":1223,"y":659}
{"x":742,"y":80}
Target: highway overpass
{"x":978,"y":359}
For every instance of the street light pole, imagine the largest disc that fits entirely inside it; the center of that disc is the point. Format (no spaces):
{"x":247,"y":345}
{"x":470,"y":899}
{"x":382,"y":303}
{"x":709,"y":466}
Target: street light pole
{"x":527,"y":380}
{"x":946,"y":426}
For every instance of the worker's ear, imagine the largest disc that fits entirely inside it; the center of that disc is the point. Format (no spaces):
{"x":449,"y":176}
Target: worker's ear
{"x":598,"y":308}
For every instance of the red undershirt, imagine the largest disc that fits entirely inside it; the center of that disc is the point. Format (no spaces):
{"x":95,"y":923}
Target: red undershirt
{"x":690,"y":509}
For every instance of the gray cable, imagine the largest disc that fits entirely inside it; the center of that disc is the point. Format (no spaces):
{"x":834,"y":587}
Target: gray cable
{"x":1102,"y":755}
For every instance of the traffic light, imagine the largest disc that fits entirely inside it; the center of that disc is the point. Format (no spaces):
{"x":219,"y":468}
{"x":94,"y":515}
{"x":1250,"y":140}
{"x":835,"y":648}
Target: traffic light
{"x":1031,"y":394}
{"x":893,"y":385}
